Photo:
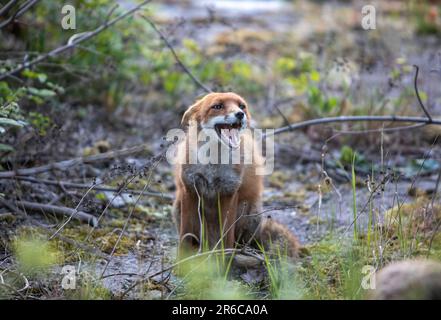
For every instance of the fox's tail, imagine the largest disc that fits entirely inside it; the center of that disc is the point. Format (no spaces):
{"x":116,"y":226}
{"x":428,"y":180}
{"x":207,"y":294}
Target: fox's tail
{"x":277,"y":239}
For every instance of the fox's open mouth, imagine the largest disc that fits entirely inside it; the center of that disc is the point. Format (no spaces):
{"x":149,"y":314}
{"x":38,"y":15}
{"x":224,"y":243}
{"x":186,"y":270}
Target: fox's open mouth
{"x":229,"y":133}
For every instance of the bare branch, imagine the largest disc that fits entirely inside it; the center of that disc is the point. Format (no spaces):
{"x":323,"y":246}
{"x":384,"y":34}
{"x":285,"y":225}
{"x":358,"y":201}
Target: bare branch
{"x":62,"y":165}
{"x":111,"y":11}
{"x":7,"y":7}
{"x":21,"y":10}
{"x":63,"y":211}
{"x":420,"y":121}
{"x":418,"y":93}
{"x":49,"y":231}
{"x":389,"y":129}
{"x":77,"y":40}
{"x":314,"y":122}
{"x":65,"y":184}
{"x":175,"y":55}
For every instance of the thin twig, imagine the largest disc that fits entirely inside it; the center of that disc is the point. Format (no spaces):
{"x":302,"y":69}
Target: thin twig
{"x":175,"y":55}
{"x":126,"y":223}
{"x":111,"y":11}
{"x":20,"y":11}
{"x":195,"y":256}
{"x":7,"y":6}
{"x":415,"y":83}
{"x":72,"y":214}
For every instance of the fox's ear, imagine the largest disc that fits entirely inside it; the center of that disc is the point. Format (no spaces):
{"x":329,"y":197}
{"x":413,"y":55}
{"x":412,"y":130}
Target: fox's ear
{"x":189,"y":113}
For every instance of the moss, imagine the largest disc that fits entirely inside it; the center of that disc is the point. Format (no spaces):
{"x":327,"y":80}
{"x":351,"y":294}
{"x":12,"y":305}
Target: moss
{"x":333,"y":270}
{"x":117,"y":223}
{"x":317,"y":220}
{"x":103,"y":238}
{"x":278,"y":179}
{"x":8,"y":218}
{"x":414,"y":220}
{"x":290,"y":198}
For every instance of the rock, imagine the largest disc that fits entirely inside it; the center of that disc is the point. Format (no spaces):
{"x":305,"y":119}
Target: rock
{"x":244,"y":261}
{"x":409,"y":280}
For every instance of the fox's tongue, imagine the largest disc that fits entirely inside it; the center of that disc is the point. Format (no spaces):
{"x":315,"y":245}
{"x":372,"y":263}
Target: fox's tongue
{"x":231,"y":136}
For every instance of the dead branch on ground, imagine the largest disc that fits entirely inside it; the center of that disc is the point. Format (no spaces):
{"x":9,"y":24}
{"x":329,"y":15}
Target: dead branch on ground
{"x":62,"y":211}
{"x":63,"y":165}
{"x":49,"y":231}
{"x":71,"y":185}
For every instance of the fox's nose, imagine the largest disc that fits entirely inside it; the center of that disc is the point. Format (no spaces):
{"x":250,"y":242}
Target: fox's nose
{"x":239,"y":115}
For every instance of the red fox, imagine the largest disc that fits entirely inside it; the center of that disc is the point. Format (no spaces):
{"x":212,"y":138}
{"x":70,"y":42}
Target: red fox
{"x":223,"y":201}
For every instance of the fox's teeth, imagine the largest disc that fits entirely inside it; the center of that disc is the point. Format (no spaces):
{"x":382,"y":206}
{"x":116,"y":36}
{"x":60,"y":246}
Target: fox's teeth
{"x":231,"y":137}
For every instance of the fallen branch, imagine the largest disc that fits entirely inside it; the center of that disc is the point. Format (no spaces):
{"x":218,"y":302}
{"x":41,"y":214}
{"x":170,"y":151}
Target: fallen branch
{"x":63,"y":165}
{"x":50,"y":231}
{"x":72,"y":185}
{"x":75,"y":40}
{"x":63,"y":211}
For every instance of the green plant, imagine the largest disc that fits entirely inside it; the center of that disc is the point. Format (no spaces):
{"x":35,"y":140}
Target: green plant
{"x":320,"y":103}
{"x":203,"y":280}
{"x":35,"y":256}
{"x":40,"y":122}
{"x":354,"y":197}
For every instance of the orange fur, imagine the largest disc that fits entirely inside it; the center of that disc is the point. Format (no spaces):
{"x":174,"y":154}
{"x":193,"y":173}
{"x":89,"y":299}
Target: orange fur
{"x":231,"y":191}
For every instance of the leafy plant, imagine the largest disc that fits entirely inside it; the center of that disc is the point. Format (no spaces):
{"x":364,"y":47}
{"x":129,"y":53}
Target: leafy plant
{"x":319,"y":102}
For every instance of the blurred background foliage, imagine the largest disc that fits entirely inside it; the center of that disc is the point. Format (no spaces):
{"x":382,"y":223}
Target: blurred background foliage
{"x":128,"y":57}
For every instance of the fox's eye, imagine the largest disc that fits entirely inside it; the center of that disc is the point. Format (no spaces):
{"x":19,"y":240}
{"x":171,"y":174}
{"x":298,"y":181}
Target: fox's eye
{"x":218,"y":106}
{"x":242,"y":106}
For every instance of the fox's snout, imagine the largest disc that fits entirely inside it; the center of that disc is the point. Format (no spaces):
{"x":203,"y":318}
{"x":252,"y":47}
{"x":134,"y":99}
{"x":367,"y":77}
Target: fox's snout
{"x":240,"y":115}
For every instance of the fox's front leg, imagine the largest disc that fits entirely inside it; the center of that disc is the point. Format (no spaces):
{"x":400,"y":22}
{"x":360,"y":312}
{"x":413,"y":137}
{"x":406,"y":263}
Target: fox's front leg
{"x":228,"y":207}
{"x":189,"y":237}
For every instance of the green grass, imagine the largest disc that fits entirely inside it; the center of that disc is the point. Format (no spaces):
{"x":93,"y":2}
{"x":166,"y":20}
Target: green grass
{"x":354,"y":196}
